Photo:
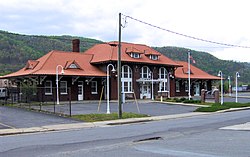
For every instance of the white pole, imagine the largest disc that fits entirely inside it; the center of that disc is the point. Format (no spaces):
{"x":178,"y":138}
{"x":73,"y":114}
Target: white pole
{"x":113,"y":69}
{"x":221,"y":78}
{"x":152,"y":85}
{"x":229,"y":90}
{"x":221,"y":88}
{"x":108,"y":109}
{"x":236,"y":88}
{"x":57,"y":92}
{"x":189,"y":80}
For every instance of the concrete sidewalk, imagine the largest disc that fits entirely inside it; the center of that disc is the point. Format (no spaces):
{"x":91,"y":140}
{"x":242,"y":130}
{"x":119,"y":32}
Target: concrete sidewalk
{"x":74,"y":126}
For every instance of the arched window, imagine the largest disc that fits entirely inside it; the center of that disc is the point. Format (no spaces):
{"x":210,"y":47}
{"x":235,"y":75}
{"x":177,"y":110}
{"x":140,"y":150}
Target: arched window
{"x":126,"y":79}
{"x":163,"y":77}
{"x":145,"y":72}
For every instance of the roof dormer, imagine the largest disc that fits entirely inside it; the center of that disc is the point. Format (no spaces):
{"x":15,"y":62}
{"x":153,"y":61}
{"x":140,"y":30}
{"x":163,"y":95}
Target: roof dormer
{"x":31,"y":64}
{"x":72,"y":65}
{"x":133,"y":52}
{"x":185,"y":71}
{"x":152,"y":55}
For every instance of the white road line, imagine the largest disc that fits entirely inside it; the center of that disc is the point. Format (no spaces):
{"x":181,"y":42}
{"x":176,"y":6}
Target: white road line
{"x":7,"y":126}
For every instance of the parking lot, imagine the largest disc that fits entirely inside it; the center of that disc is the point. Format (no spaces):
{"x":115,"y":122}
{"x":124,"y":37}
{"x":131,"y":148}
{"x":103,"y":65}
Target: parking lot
{"x":21,"y":118}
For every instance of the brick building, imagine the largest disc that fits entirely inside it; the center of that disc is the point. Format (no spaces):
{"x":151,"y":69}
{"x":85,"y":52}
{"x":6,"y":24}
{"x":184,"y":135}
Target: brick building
{"x":145,"y":73}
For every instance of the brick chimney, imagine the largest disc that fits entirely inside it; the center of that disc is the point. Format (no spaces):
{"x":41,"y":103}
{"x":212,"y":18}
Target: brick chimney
{"x":76,"y":45}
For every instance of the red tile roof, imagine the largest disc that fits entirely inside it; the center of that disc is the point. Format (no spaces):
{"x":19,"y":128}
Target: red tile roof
{"x":196,"y":73}
{"x":47,"y":64}
{"x":108,"y":52}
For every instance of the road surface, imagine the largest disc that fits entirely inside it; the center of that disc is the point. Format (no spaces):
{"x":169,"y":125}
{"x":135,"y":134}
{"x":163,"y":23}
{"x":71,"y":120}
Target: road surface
{"x":198,"y":136}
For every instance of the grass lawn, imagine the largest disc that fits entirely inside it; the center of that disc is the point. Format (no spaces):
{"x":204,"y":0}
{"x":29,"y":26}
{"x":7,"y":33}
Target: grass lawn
{"x":104,"y":117}
{"x":217,"y":106}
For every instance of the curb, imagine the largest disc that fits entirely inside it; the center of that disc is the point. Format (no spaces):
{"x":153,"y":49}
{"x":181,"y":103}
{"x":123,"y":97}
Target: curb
{"x":75,"y":126}
{"x":180,"y":103}
{"x":233,"y":109}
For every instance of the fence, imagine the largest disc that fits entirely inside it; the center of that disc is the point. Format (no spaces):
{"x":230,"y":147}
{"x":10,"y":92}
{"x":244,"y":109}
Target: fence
{"x":38,"y":98}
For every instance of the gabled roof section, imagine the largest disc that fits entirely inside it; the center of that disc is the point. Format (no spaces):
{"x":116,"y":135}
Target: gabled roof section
{"x":72,"y":65}
{"x":47,"y":64}
{"x":196,"y":73}
{"x":132,"y":50}
{"x":31,"y":64}
{"x":108,"y":52}
{"x":150,"y":52}
{"x":185,"y":70}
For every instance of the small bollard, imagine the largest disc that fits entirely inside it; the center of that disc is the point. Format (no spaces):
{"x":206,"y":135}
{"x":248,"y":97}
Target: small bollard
{"x":216,"y":96}
{"x":203,"y":96}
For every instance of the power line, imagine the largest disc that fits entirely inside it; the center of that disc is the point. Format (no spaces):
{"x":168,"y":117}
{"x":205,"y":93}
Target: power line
{"x":184,"y":35}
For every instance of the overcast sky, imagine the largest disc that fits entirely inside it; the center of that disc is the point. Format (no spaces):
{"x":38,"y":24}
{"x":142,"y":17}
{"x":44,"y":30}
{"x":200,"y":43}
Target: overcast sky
{"x":225,"y":21}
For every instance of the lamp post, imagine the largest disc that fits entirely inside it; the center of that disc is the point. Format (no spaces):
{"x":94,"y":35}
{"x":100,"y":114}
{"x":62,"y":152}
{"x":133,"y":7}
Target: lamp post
{"x":229,"y":85}
{"x":57,"y":93}
{"x":236,"y":86}
{"x":152,"y":84}
{"x":221,"y":78}
{"x":113,"y":70}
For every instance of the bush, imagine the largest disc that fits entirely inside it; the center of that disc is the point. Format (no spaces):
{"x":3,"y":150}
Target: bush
{"x":182,"y":99}
{"x":192,"y":101}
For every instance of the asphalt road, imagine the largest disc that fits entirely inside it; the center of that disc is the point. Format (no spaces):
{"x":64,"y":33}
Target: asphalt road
{"x":21,"y":118}
{"x":144,"y":107}
{"x":198,"y":136}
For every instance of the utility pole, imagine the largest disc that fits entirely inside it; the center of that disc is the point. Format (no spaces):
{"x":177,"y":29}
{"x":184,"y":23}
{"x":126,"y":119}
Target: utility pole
{"x":189,"y":80}
{"x":119,"y":71}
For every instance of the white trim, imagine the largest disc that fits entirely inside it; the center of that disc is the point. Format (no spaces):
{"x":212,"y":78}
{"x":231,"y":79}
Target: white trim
{"x":66,"y":87}
{"x":94,"y":85}
{"x":177,"y":83}
{"x":127,"y":79}
{"x":48,"y":87}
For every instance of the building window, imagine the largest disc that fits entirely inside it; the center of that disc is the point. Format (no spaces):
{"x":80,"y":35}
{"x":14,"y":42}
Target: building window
{"x":145,"y":72}
{"x":163,"y":77}
{"x":48,"y":88}
{"x":73,"y":66}
{"x":177,"y":86}
{"x":63,"y":87}
{"x":186,"y":86}
{"x":126,"y":79}
{"x":94,"y":87}
{"x":135,"y":55}
{"x":153,"y":57}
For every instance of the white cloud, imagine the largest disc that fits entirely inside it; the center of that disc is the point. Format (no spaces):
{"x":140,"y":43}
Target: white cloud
{"x":224,"y":21}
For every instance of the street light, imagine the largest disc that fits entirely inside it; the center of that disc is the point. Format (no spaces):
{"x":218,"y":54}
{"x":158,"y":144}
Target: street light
{"x":221,"y":78}
{"x":57,"y":93}
{"x":113,"y":70}
{"x":152,"y":84}
{"x":236,"y":86}
{"x":229,"y":86}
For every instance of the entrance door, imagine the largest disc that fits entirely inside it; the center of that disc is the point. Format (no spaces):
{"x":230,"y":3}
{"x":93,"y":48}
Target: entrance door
{"x":80,"y":90}
{"x":197,"y":89}
{"x":145,"y":91}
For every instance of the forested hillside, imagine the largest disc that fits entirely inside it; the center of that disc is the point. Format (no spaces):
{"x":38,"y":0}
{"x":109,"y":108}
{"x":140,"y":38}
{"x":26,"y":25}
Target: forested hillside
{"x":16,"y":49}
{"x":209,"y":63}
